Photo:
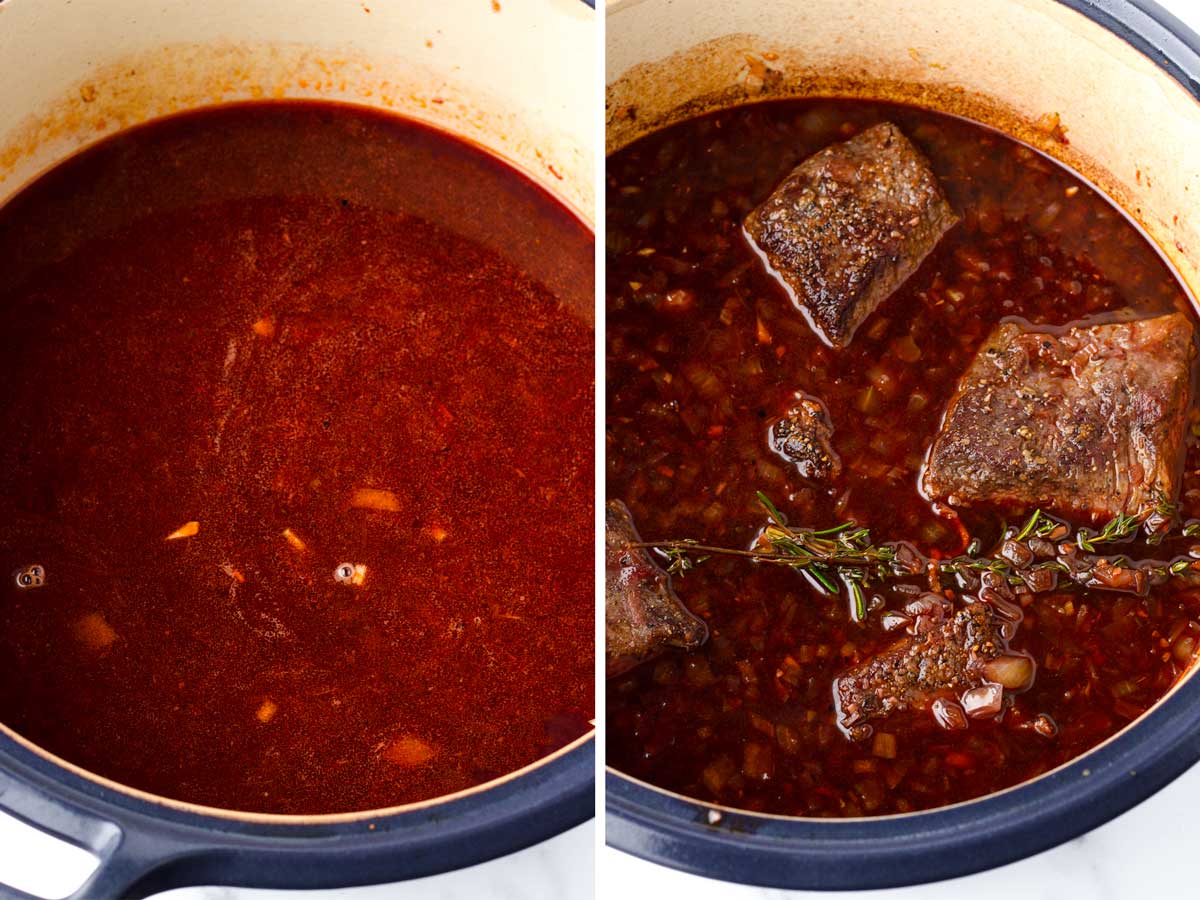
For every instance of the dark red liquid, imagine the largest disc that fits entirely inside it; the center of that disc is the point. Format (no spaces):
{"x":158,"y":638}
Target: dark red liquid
{"x":244,"y":318}
{"x":705,"y":349}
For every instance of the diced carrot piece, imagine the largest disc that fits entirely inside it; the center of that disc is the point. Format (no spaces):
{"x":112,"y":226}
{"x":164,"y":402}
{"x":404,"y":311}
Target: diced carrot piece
{"x":94,"y":632}
{"x":438,"y":533}
{"x":264,"y":327}
{"x":267,"y":711}
{"x":186,"y":530}
{"x":409,"y":751}
{"x":294,"y":539}
{"x":762,"y":333}
{"x":960,"y":760}
{"x":373,"y":498}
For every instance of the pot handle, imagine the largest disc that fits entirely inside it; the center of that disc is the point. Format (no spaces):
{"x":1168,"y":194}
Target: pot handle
{"x":125,"y":860}
{"x":111,"y":881}
{"x":115,"y":876}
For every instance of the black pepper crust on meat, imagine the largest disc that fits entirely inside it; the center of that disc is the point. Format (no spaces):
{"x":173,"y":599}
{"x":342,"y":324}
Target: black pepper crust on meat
{"x":1089,"y":419}
{"x":849,"y":225}
{"x":804,"y":437}
{"x":642,"y":615}
{"x":943,"y":661}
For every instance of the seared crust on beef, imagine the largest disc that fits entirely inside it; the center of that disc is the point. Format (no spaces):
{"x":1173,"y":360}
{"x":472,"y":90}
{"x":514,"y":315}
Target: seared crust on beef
{"x":642,"y":615}
{"x":1089,"y":419}
{"x":943,"y":661}
{"x":849,"y":225}
{"x":804,"y":436}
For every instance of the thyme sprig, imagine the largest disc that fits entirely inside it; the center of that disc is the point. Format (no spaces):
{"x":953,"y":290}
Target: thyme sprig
{"x":845,"y":555}
{"x":1120,"y":528}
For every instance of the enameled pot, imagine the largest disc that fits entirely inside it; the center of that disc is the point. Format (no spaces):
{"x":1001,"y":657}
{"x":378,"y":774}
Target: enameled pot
{"x":1108,"y":87}
{"x":515,"y":78}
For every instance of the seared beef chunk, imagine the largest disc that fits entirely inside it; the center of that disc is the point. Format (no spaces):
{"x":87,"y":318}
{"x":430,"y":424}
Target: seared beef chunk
{"x":642,"y":615}
{"x":848,"y":225}
{"x":942,"y":660}
{"x":1089,"y":419}
{"x":803,"y":436}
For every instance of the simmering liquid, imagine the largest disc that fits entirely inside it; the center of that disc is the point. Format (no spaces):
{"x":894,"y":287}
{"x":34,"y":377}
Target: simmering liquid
{"x":705,"y":350}
{"x":297,"y":406}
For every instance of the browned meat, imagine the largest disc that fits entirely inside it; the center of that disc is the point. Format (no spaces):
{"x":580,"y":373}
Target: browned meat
{"x":848,"y":225}
{"x":642,"y":615}
{"x":942,"y":661}
{"x":803,"y":436}
{"x":1089,"y":419}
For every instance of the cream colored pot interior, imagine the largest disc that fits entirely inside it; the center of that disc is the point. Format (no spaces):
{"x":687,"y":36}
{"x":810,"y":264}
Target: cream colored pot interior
{"x":1033,"y":68}
{"x":515,"y":77}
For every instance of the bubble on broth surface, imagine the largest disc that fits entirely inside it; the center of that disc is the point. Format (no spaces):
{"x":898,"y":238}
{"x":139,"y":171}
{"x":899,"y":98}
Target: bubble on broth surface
{"x":350,"y":573}
{"x":31,"y":576}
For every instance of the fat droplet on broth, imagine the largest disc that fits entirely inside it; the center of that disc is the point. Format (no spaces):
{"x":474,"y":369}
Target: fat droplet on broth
{"x":31,"y":576}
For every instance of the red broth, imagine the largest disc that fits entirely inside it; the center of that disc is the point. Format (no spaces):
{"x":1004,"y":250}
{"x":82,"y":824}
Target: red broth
{"x":346,"y":360}
{"x":704,"y":349}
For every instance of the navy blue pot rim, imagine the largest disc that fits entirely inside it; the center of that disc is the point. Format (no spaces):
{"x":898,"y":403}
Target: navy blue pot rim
{"x":892,"y":851}
{"x":146,"y":847}
{"x":895,"y":851}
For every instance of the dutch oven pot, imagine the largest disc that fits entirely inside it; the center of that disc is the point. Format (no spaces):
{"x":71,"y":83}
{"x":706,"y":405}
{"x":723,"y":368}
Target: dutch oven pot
{"x":516,"y":81}
{"x":1123,"y":79}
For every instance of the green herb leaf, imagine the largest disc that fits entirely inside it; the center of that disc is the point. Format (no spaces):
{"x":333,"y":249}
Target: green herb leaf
{"x":845,"y":552}
{"x":774,"y":513}
{"x":1030,"y":525}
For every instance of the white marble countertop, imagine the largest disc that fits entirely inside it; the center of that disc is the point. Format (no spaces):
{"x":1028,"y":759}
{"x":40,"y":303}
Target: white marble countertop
{"x":1150,"y":851}
{"x":557,"y":869}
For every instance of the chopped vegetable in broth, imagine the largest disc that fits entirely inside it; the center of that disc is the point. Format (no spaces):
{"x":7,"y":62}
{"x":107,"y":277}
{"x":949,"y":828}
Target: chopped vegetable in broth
{"x":881,"y":640}
{"x":294,"y":394}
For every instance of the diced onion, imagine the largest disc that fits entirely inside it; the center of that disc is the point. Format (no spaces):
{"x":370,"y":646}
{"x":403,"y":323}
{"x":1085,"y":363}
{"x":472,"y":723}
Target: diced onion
{"x":883,"y":380}
{"x":906,"y":349}
{"x":983,"y":702}
{"x":949,"y":714}
{"x":1184,"y":649}
{"x":758,"y":763}
{"x":1013,"y":672}
{"x":884,"y":745}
